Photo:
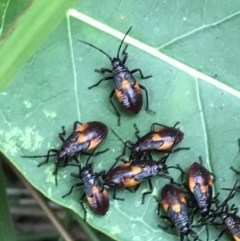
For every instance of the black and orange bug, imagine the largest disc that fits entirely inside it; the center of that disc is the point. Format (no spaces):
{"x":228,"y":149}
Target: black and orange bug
{"x":94,"y":190}
{"x":229,"y":219}
{"x":232,"y":223}
{"x":127,"y":90}
{"x":174,"y":203}
{"x":161,"y":139}
{"x":200,"y":182}
{"x":132,"y":174}
{"x":85,"y":137}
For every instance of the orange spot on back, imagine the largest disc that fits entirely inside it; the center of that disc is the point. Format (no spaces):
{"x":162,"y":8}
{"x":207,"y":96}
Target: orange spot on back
{"x":176,"y":208}
{"x":165,"y":205}
{"x":236,"y":238}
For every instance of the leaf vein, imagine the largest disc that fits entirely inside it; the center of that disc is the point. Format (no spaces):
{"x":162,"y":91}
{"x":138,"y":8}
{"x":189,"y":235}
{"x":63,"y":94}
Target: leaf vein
{"x":198,"y":29}
{"x":154,"y":52}
{"x":73,"y":67}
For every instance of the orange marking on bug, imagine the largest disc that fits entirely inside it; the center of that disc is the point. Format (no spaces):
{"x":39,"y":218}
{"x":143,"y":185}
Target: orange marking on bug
{"x":126,"y":164}
{"x":191,"y":183}
{"x":182,"y":198}
{"x":210,"y":182}
{"x":137,"y":88}
{"x":165,"y":205}
{"x":94,"y":143}
{"x":95,"y":189}
{"x":156,"y":137}
{"x":119,"y":95}
{"x":105,"y":194}
{"x":82,"y":138}
{"x":236,"y":238}
{"x":130,"y":183}
{"x":82,"y":127}
{"x":167,"y":142}
{"x":176,"y":207}
{"x":165,"y":146}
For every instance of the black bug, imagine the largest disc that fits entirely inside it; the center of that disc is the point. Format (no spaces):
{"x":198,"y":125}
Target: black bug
{"x":163,"y":139}
{"x":85,"y":137}
{"x":127,"y":90}
{"x":94,"y":190}
{"x":228,"y":216}
{"x":174,"y":203}
{"x":132,"y":174}
{"x":200,"y":182}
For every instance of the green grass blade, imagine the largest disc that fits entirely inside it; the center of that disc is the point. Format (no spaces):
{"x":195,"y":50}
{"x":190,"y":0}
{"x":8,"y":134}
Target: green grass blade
{"x":27,"y":33}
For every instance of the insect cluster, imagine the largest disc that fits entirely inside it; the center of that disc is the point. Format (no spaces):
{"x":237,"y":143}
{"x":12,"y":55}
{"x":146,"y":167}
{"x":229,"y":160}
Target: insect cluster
{"x":180,"y":201}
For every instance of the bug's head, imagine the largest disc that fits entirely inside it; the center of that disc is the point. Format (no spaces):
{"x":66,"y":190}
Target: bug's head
{"x":162,"y":166}
{"x":116,"y":62}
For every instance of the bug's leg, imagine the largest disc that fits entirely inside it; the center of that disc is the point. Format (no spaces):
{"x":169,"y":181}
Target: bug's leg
{"x":73,"y":186}
{"x":146,"y":92}
{"x":48,"y":155}
{"x":115,"y":163}
{"x":235,"y":170}
{"x":124,"y":52}
{"x":114,"y":195}
{"x":165,"y":227}
{"x":75,"y":159}
{"x":55,"y":172}
{"x":96,"y":153}
{"x":103,"y":70}
{"x":136,"y":131}
{"x":75,"y":124}
{"x":159,"y":206}
{"x":114,"y":107}
{"x":149,"y":192}
{"x":141,"y":74}
{"x":153,"y":126}
{"x":105,"y":78}
{"x":220,"y":235}
{"x":166,"y":177}
{"x":183,"y":173}
{"x":62,"y":134}
{"x":134,"y":189}
{"x":84,"y":209}
{"x":126,"y":144}
{"x":176,"y":150}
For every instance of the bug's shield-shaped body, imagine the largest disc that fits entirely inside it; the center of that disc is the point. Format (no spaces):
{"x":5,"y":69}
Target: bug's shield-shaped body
{"x":96,"y":194}
{"x":85,"y":138}
{"x":161,"y":139}
{"x":174,"y":203}
{"x":128,"y":91}
{"x":131,"y":174}
{"x":200,"y":184}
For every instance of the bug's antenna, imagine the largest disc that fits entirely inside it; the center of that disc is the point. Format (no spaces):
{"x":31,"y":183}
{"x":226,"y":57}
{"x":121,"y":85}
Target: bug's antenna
{"x":122,"y":42}
{"x":96,"y":48}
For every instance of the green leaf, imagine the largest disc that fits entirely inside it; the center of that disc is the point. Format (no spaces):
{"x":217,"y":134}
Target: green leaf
{"x":192,"y":52}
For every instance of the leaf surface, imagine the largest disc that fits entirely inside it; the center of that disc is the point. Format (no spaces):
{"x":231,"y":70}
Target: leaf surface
{"x":201,"y":91}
